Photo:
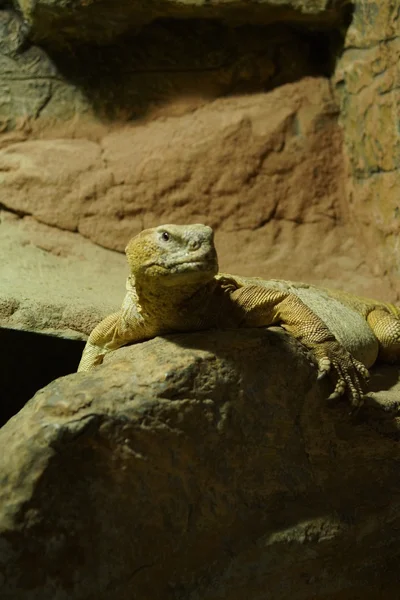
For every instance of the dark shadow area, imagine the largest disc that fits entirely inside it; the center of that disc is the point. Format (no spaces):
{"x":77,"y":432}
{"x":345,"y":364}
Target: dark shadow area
{"x":29,"y":361}
{"x":383,"y":377}
{"x":196,"y":58}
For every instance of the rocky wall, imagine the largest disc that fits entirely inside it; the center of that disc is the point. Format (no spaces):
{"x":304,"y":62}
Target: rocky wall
{"x":194,"y":466}
{"x":367,"y":79}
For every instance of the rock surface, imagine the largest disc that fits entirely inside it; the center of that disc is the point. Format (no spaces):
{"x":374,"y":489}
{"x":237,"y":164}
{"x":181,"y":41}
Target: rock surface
{"x":271,"y":187}
{"x":174,"y":66}
{"x":59,"y":283}
{"x":192,"y":467}
{"x":229,"y":164}
{"x":367,"y":79}
{"x":103,"y":20}
{"x":267,"y":169}
{"x":55,"y":282}
{"x":185,"y":63}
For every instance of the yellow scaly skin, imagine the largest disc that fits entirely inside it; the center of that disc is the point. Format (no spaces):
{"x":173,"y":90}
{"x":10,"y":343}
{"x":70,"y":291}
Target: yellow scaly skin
{"x":174,"y":286}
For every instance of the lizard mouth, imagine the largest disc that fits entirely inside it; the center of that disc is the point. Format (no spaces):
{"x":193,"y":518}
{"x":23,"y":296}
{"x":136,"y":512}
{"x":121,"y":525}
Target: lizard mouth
{"x":181,"y":267}
{"x":198,"y":265}
{"x":194,"y":263}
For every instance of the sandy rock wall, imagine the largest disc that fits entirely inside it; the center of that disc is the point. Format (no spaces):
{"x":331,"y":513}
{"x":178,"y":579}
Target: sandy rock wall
{"x":276,"y":124}
{"x":104,"y":20}
{"x":186,"y":62}
{"x":367,"y":80}
{"x":237,"y":163}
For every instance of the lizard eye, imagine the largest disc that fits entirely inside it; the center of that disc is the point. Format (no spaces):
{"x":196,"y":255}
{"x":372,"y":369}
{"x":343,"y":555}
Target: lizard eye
{"x":165,"y":236}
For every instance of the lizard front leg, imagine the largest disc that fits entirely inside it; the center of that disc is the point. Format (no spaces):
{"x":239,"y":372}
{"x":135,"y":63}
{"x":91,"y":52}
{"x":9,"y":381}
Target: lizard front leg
{"x":265,"y":306}
{"x":103,"y":339}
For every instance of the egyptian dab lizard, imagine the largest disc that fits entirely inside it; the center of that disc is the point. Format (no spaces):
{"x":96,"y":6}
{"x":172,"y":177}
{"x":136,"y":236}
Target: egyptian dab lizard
{"x":174,"y":286}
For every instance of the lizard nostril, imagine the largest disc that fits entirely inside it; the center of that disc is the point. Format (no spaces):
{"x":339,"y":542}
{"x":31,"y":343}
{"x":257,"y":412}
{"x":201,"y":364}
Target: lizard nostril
{"x":194,"y":244}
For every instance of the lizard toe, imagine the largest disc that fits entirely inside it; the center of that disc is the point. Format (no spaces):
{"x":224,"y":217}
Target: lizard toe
{"x":324,"y":366}
{"x":355,"y":391}
{"x":339,"y":390}
{"x":347,"y":373}
{"x":362,"y":370}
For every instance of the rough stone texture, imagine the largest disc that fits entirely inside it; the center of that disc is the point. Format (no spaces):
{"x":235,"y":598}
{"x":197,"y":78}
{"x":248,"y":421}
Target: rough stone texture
{"x":198,"y":470}
{"x":103,"y":20}
{"x":59,"y":283}
{"x":271,"y":187}
{"x":228,"y":163}
{"x":185,"y":62}
{"x":191,"y":467}
{"x":31,"y":87}
{"x":174,"y":66}
{"x":368,"y":81}
{"x":250,"y":179}
{"x":54,"y":281}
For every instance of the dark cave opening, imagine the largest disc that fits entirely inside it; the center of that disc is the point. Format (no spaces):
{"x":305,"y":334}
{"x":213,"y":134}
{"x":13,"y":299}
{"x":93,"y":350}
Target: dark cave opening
{"x":196,"y":58}
{"x":29,"y":361}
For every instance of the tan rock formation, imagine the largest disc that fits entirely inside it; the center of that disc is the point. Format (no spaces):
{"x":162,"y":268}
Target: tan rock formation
{"x":236,"y":163}
{"x":184,"y":62}
{"x":53,"y":281}
{"x":103,"y":21}
{"x":191,"y":466}
{"x":176,"y":66}
{"x":264,"y":170}
{"x":194,"y":467}
{"x":367,"y":79}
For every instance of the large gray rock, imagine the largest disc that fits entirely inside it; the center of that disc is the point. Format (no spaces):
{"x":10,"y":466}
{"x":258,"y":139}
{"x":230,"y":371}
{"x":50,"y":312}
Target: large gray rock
{"x":202,"y":466}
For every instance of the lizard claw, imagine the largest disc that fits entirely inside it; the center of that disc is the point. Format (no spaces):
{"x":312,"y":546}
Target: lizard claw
{"x":348,"y":372}
{"x":339,"y":390}
{"x":324,"y":366}
{"x":363,"y":371}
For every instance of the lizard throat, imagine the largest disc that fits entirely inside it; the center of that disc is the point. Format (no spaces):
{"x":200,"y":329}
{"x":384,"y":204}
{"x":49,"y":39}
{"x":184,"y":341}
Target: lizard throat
{"x":164,"y":303}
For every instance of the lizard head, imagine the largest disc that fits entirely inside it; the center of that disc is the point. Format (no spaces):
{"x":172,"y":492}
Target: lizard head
{"x":173,"y":255}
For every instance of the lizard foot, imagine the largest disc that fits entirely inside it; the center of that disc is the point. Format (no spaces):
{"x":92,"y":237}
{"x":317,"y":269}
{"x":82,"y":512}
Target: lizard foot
{"x":349,"y":373}
{"x":324,"y":366}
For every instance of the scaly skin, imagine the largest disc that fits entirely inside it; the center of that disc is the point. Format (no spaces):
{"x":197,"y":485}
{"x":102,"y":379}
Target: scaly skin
{"x":174,"y":286}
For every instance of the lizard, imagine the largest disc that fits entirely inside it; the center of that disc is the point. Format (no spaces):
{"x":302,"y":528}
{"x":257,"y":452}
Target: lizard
{"x":174,"y":286}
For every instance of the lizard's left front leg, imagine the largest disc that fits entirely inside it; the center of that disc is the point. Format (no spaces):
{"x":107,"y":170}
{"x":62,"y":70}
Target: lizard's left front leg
{"x":103,"y":339}
{"x":265,"y":306}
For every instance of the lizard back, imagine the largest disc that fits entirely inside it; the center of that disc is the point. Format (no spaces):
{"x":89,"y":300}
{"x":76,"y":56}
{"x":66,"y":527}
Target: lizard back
{"x":346,"y":322}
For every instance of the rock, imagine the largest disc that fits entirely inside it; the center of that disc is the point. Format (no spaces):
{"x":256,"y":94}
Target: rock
{"x":55,"y":282}
{"x":31,"y":86}
{"x":52,"y":20}
{"x":136,"y":177}
{"x":171,"y":66}
{"x":271,"y":187}
{"x":192,"y":467}
{"x":367,"y":79}
{"x":73,"y":68}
